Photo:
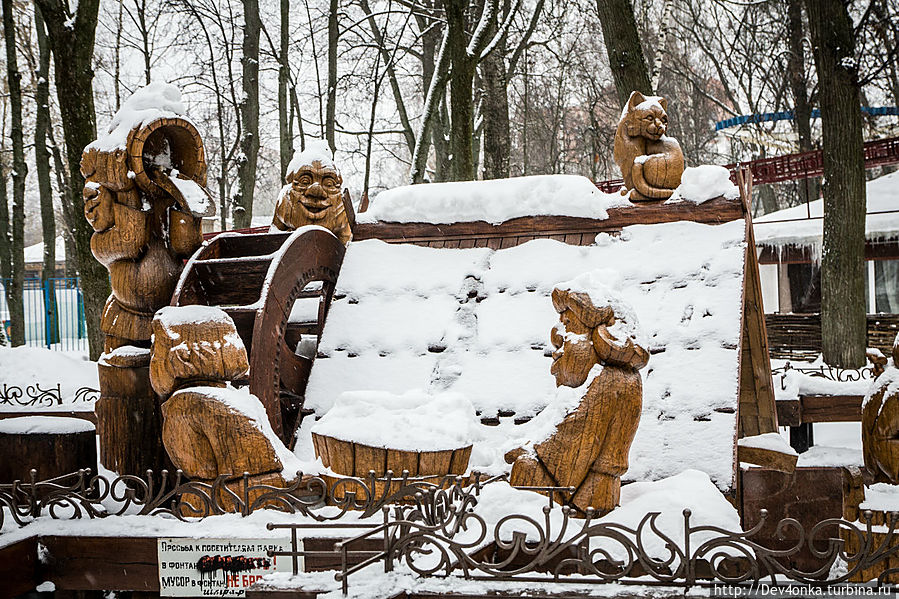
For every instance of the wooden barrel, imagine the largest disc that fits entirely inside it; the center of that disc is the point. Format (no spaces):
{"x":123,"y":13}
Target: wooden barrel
{"x":357,"y":459}
{"x":52,"y":445}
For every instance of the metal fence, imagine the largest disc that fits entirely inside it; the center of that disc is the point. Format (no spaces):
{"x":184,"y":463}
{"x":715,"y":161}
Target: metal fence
{"x":54,"y":313}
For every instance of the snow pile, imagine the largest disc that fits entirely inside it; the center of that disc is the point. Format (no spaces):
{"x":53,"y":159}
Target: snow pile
{"x":477,"y":322}
{"x":154,"y":101}
{"x":882,"y":497}
{"x":244,"y":402}
{"x":316,"y":149}
{"x":173,"y":316}
{"x":802,"y":225}
{"x":413,"y":421}
{"x":44,"y":425}
{"x":494,"y":201}
{"x":691,"y":489}
{"x":769,"y":441}
{"x":669,"y":497}
{"x":705,"y":182}
{"x":793,"y":383}
{"x":42,"y":369}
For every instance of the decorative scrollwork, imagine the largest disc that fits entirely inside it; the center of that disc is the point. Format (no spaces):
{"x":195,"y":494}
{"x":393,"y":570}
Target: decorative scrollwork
{"x":523,"y":547}
{"x":831,"y":373}
{"x":35,"y":396}
{"x":80,"y":495}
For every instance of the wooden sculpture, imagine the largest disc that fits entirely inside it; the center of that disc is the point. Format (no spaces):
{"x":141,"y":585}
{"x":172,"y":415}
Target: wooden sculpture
{"x":144,"y":200}
{"x":209,"y":428}
{"x":312,"y":195}
{"x":880,"y":422}
{"x":651,"y":163}
{"x":589,"y":448}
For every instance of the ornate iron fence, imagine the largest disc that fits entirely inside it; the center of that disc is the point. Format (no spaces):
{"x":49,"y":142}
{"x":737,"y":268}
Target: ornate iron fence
{"x":35,"y":396}
{"x":426,"y":538}
{"x":82,"y":495}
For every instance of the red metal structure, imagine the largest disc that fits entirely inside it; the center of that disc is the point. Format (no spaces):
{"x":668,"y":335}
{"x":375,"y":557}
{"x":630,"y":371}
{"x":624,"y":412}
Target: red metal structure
{"x":793,"y":167}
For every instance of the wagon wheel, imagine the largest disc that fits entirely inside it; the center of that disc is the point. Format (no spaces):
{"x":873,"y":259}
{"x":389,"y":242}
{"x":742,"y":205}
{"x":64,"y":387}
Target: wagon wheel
{"x":256,"y":279}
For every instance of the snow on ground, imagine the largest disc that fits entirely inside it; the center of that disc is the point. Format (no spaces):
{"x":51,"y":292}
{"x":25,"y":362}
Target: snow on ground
{"x":794,"y":227}
{"x":35,"y":367}
{"x":35,"y":253}
{"x":493,"y":201}
{"x":477,"y":322}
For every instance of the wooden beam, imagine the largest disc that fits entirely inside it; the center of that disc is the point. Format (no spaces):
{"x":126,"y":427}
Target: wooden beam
{"x":19,"y":567}
{"x":767,"y":458}
{"x":716,"y":211}
{"x":831,"y":408}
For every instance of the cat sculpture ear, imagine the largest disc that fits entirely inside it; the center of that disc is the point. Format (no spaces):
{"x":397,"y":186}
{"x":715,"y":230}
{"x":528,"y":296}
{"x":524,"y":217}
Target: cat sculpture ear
{"x":635,"y":99}
{"x":664,"y":103}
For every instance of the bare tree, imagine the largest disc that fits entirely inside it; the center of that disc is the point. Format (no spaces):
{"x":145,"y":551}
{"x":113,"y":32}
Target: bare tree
{"x":619,"y":32}
{"x":843,"y":324}
{"x":249,"y":113}
{"x":71,"y":38}
{"x":42,"y":166}
{"x":15,"y":289}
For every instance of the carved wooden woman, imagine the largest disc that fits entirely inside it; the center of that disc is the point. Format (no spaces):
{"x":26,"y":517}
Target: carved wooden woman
{"x":589,"y":448}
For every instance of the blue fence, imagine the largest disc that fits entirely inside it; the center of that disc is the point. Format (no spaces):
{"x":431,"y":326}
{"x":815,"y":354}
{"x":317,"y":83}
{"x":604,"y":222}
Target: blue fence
{"x":58,"y":324}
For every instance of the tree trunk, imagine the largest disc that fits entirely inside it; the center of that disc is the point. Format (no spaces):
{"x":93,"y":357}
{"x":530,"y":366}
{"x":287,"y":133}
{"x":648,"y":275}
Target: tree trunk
{"x":285,"y":134}
{"x":619,"y":32}
{"x":495,"y":111}
{"x":802,"y":108}
{"x":249,"y":116}
{"x":72,"y":42}
{"x":19,"y":171}
{"x":462,"y":71}
{"x":843,"y":265}
{"x":330,"y":109}
{"x":42,"y":166}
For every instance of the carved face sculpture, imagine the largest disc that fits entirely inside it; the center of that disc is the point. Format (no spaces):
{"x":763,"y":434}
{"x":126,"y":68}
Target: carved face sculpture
{"x":647,"y":118}
{"x":314,"y":194}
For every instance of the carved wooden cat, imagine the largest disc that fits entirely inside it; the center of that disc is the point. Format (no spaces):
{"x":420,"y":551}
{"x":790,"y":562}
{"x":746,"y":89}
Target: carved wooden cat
{"x":651,"y":163}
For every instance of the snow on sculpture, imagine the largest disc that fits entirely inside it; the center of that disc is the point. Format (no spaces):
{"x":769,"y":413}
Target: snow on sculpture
{"x":312,"y":194}
{"x":211,"y":429}
{"x":596,"y":341}
{"x":880,"y":420}
{"x":144,"y":196}
{"x":651,"y":163}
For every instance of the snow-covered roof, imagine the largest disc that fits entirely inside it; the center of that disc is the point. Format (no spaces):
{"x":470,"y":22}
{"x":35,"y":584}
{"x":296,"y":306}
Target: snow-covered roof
{"x":493,"y":201}
{"x":802,"y":225}
{"x":35,"y":253}
{"x":477,"y":321}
